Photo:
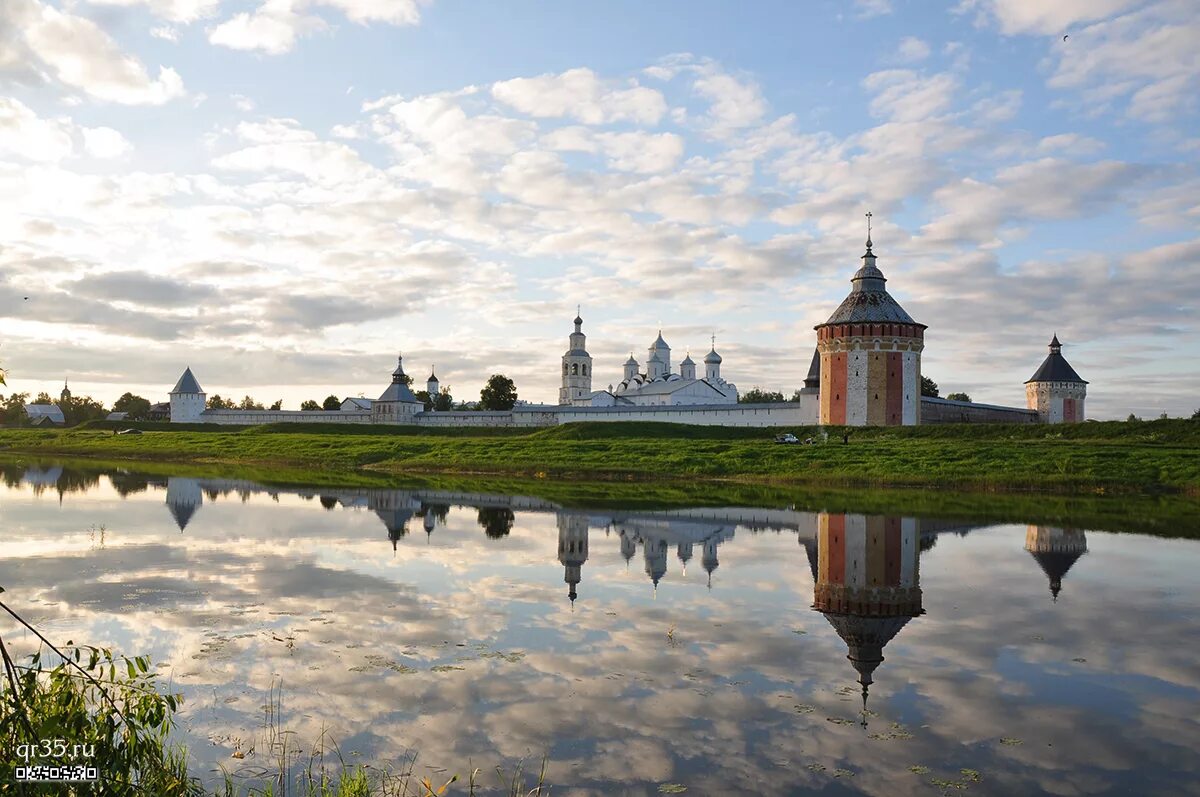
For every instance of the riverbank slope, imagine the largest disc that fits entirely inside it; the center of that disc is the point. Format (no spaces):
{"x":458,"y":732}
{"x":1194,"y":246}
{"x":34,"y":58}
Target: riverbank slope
{"x":1143,"y":457}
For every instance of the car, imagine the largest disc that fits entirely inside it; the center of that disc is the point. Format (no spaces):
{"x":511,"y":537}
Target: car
{"x":786,"y":438}
{"x":130,"y":431}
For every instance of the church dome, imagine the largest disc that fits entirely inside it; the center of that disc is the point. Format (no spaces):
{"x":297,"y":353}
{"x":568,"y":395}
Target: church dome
{"x":712,"y":358}
{"x":631,"y":361}
{"x":659,"y":343}
{"x":688,"y":360}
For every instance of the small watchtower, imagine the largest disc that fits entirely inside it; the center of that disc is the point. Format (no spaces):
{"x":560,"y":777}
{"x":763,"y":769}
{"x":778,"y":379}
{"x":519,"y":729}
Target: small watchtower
{"x":1055,"y":390}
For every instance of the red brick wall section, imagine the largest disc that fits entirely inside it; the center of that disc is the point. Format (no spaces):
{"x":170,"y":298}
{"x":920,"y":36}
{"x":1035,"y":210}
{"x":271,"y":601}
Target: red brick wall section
{"x":837,"y":396}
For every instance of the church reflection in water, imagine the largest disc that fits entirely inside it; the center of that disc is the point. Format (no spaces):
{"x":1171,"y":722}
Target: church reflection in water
{"x":865,"y":568}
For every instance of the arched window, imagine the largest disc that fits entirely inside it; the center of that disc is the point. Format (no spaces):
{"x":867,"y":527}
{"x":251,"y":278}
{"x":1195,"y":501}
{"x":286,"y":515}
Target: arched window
{"x":585,"y":369}
{"x":574,"y":369}
{"x":564,"y":369}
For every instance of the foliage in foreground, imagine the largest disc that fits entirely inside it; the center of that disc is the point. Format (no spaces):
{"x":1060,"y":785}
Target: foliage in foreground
{"x":85,"y":706}
{"x":107,"y":711}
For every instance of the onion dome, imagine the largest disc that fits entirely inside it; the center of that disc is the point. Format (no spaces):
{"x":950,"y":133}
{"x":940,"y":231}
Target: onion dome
{"x":432,"y":375}
{"x":688,"y":360}
{"x":869,"y":302}
{"x":1055,"y":367}
{"x":659,"y":343}
{"x":631,"y":361}
{"x":712,"y":358}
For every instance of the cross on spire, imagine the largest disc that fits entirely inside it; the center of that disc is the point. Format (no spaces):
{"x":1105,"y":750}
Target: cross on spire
{"x":869,"y":214}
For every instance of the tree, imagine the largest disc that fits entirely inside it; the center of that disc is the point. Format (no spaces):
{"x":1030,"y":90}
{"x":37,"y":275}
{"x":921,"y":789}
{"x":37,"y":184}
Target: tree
{"x":958,"y":397}
{"x":756,"y":395}
{"x":249,"y":404}
{"x":278,"y":405}
{"x":215,"y":402}
{"x":1196,"y":415}
{"x":1132,"y":418}
{"x":331,"y":403}
{"x":79,"y":409}
{"x":443,"y":402}
{"x":498,"y":394}
{"x":42,"y":398}
{"x":928,"y":387}
{"x":497,"y":522}
{"x":12,"y":411}
{"x":310,"y":406}
{"x":135,"y":407}
{"x":423,"y":397}
{"x":1162,"y":417}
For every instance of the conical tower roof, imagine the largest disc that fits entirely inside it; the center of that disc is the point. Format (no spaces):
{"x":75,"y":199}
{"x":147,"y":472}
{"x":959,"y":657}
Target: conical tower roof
{"x":869,"y":301}
{"x":187,"y":383}
{"x":1055,"y":367}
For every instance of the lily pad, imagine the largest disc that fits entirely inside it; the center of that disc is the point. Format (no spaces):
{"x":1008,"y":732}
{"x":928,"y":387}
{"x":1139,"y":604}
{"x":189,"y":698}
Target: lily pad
{"x":919,"y":770}
{"x":671,"y":788}
{"x":445,"y":668}
{"x":1010,"y":741}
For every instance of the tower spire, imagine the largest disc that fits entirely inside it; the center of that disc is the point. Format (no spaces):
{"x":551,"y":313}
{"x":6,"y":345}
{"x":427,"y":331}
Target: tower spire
{"x":869,"y":214}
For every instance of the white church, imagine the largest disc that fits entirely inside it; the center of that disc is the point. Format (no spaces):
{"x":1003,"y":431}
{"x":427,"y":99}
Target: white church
{"x":657,"y":386}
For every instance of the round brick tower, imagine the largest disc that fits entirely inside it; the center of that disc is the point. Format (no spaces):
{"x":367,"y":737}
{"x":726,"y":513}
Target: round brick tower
{"x":870,"y":351}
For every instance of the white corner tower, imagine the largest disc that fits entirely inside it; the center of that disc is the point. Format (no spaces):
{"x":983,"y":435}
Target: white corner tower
{"x":576,"y":367}
{"x":187,"y":399}
{"x":1056,"y":391}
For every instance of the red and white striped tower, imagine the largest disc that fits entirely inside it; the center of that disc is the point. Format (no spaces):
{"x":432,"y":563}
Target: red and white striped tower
{"x":870,"y":351}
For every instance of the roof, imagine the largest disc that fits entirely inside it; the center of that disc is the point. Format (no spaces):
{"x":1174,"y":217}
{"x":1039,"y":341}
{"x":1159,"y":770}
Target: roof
{"x":398,"y":391}
{"x":1055,"y":367}
{"x":658,"y":387}
{"x":116,"y":416}
{"x":814,"y":370}
{"x":631,"y":361}
{"x":659,"y":343}
{"x":51,"y":411}
{"x":577,"y":353}
{"x":187,"y":383}
{"x":361,"y":403}
{"x":688,"y":360}
{"x":712,"y":357}
{"x":869,"y":302}
{"x":432,"y":376}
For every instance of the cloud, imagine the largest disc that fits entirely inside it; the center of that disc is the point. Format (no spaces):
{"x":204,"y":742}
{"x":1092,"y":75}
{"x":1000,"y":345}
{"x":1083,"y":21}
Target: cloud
{"x":1037,"y":17}
{"x":274,"y":27}
{"x":905,"y":95}
{"x":872,"y":8}
{"x":104,"y":142}
{"x":82,"y":56}
{"x":26,"y":135}
{"x":580,"y":94}
{"x":182,"y":11}
{"x":911,"y":49}
{"x":138,"y":287}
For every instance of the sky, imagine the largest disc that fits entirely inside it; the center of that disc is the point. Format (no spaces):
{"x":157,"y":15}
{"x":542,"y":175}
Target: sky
{"x":284,"y":195}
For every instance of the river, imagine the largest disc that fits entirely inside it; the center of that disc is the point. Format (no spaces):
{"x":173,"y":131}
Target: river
{"x":644,"y":650}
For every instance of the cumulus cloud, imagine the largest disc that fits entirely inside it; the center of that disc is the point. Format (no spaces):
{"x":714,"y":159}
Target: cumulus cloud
{"x":580,"y":94}
{"x":912,"y":49}
{"x":274,"y":27}
{"x":906,"y":96}
{"x":182,"y":11}
{"x":1035,"y":16}
{"x":104,"y":142}
{"x":82,"y":56}
{"x":24,"y":134}
{"x":872,"y":8}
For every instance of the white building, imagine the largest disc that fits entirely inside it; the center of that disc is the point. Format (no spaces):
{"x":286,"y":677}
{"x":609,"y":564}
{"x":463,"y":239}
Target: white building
{"x":657,"y":387}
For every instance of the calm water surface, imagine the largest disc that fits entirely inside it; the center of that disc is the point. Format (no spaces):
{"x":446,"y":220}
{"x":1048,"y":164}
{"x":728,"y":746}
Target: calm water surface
{"x":727,"y":650}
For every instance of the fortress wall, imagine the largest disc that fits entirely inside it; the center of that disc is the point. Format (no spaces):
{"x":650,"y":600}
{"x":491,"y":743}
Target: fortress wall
{"x":939,"y":410}
{"x":253,"y":417}
{"x":791,"y":413}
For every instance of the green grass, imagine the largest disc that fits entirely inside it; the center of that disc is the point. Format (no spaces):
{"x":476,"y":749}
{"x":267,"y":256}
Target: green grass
{"x":1144,"y":457}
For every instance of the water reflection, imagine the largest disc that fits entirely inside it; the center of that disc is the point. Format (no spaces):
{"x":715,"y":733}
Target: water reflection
{"x":1055,"y":549}
{"x":516,"y":625}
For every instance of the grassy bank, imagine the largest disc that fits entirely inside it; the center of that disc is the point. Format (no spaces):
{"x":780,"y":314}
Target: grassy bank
{"x":1146,"y":457}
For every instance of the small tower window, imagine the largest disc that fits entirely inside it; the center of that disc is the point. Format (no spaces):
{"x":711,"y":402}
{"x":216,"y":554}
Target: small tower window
{"x":574,"y":368}
{"x":585,"y":369}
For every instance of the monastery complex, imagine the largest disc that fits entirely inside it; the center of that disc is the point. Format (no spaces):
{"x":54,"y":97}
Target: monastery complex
{"x":865,"y":371}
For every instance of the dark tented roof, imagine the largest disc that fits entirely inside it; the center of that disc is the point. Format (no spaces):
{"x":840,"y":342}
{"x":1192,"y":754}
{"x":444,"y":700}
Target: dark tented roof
{"x":869,"y":302}
{"x":1055,"y":368}
{"x":814,"y":370}
{"x":187,"y":383}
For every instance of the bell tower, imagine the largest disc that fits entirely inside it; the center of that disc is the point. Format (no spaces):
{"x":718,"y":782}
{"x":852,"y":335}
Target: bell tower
{"x":576,"y":366}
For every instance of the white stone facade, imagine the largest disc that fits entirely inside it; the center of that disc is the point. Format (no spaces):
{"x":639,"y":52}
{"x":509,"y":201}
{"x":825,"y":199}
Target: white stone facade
{"x":1057,"y":402}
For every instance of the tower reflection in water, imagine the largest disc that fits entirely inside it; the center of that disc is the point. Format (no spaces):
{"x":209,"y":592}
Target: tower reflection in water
{"x":1055,"y":549}
{"x":867,"y":583}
